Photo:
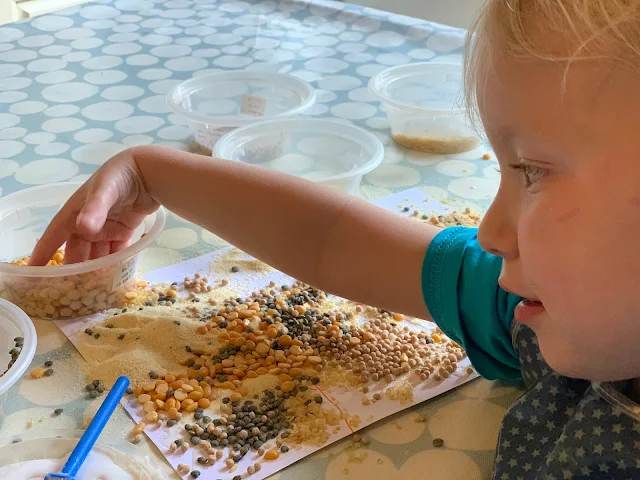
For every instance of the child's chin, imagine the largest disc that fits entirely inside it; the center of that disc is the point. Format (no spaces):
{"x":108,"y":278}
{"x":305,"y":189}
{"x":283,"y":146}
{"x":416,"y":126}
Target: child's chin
{"x":557,"y":357}
{"x":581,"y":366}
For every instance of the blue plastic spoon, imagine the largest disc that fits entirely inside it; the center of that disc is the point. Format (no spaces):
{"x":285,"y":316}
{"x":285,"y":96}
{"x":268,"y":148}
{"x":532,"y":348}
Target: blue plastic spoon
{"x":88,"y":439}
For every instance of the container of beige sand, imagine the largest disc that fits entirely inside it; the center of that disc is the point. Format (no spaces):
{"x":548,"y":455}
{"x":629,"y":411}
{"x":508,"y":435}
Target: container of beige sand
{"x":423,"y":102}
{"x":59,"y":290}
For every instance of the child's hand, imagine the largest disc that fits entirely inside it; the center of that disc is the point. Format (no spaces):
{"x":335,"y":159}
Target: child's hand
{"x":101,"y":216}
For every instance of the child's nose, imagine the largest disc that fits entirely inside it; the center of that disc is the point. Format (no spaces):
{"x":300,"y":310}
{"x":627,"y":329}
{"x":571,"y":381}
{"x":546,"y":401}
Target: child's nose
{"x":497,"y":234}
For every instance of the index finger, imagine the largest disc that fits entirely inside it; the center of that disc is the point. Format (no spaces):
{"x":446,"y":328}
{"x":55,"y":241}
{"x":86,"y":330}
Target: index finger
{"x":56,"y":233}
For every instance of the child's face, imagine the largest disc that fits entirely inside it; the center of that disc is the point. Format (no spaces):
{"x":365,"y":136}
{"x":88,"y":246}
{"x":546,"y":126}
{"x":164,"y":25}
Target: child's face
{"x":566,"y":218}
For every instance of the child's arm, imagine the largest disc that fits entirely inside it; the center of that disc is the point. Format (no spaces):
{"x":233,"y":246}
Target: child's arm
{"x":330,"y":240}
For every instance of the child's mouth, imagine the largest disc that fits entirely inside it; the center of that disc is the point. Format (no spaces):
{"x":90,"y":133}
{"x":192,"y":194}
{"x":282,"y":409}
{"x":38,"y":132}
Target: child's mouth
{"x":527,"y":310}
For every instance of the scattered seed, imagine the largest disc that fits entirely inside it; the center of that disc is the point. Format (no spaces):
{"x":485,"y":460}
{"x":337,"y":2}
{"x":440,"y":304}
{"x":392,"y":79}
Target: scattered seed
{"x":48,"y":372}
{"x":58,"y":411}
{"x":48,"y":363}
{"x":438,"y":442}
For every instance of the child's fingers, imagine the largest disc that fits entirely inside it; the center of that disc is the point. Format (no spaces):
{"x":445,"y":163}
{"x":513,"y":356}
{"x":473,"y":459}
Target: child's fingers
{"x":117,"y":246}
{"x":52,"y":238}
{"x":77,"y":250}
{"x":93,"y":215}
{"x":99,"y":249}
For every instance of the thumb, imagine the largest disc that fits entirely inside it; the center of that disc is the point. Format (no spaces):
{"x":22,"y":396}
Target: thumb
{"x":93,"y":215}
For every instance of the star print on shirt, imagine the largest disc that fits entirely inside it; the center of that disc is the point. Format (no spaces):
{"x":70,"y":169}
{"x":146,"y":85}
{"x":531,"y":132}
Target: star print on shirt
{"x":564,"y":428}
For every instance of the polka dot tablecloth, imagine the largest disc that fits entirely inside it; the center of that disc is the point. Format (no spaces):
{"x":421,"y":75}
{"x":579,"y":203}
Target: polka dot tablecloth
{"x":81,"y":85}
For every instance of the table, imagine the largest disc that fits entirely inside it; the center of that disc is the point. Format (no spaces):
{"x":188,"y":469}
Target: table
{"x":83,"y":84}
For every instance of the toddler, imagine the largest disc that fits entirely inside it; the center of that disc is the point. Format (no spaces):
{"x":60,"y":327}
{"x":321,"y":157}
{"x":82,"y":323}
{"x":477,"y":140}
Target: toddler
{"x":546,"y":291}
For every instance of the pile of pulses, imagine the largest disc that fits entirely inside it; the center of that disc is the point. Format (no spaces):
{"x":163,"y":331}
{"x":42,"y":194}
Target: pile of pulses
{"x":466,"y":218}
{"x":14,"y":353}
{"x":288,"y":335}
{"x":67,"y":296}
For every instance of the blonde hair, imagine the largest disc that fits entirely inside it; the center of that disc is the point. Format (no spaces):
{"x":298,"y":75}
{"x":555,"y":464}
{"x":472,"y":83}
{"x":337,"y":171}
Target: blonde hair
{"x":552,"y":30}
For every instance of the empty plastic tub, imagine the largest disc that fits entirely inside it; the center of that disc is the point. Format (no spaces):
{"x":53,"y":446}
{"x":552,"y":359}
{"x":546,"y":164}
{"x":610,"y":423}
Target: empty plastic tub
{"x":328,"y":152}
{"x":218,"y":103}
{"x":64,"y":291}
{"x":424,"y":105}
{"x":18,"y":341}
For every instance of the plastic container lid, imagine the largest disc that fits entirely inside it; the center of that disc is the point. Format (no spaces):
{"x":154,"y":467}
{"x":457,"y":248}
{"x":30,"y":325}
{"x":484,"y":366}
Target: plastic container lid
{"x":15,"y":323}
{"x":320,"y":150}
{"x":429,"y":88}
{"x":25,"y":214}
{"x":240,"y":97}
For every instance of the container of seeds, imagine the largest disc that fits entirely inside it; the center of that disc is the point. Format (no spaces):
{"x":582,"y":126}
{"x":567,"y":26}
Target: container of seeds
{"x":18,"y":341}
{"x":34,"y":454}
{"x":59,"y":290}
{"x":328,"y":152}
{"x":424,"y":106}
{"x":218,"y":103}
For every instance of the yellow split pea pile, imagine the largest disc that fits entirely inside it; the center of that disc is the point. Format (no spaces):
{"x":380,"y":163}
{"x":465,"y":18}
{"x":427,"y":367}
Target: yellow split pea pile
{"x":256,"y":384}
{"x":67,"y":296}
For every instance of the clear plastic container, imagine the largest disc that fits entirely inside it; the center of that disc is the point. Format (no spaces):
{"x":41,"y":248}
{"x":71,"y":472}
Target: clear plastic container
{"x":14,"y":323}
{"x":65,"y":291}
{"x":58,"y":444}
{"x":328,"y":152}
{"x":423,"y":102}
{"x":218,"y":103}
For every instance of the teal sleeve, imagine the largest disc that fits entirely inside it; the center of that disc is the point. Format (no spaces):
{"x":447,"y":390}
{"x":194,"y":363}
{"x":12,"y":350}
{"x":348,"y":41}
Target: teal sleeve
{"x":460,"y":287}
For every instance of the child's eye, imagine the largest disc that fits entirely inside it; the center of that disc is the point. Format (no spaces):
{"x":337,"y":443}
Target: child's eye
{"x":530,"y":173}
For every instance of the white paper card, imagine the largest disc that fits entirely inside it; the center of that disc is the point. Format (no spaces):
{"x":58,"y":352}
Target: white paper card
{"x":350,"y":401}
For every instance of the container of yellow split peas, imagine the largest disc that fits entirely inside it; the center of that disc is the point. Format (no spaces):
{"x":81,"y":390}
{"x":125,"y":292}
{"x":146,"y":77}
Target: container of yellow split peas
{"x":59,"y":290}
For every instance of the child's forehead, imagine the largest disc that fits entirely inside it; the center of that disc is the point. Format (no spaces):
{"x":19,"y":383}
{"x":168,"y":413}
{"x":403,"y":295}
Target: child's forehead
{"x":588,"y":103}
{"x":581,"y":87}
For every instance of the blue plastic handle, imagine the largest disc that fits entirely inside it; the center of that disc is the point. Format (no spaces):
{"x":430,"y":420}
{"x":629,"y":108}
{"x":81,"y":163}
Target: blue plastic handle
{"x":88,"y":439}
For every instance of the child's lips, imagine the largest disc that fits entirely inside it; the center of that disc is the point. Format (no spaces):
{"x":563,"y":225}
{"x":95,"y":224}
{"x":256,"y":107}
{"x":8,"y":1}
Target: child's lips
{"x":527,"y":311}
